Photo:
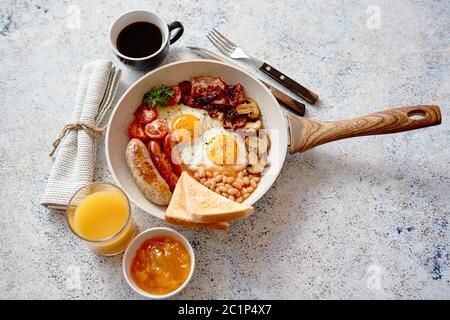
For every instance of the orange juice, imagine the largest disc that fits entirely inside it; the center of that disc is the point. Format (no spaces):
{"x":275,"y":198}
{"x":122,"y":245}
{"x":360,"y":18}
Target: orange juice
{"x":103,"y":219}
{"x":101,"y":215}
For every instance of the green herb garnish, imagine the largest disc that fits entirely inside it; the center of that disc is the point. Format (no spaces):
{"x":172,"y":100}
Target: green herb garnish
{"x":158,"y":96}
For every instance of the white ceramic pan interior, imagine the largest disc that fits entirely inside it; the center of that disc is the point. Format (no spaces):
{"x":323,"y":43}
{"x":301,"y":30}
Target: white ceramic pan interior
{"x":117,"y":132}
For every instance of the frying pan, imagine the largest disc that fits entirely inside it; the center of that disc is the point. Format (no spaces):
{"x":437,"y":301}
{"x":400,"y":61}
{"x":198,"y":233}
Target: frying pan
{"x":289,"y":132}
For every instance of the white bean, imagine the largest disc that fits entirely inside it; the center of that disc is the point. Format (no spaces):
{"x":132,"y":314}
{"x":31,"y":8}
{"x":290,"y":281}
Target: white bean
{"x":237,"y":185}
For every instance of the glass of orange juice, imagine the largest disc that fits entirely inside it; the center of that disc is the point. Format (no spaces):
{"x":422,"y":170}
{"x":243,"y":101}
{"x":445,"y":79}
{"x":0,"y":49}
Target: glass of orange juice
{"x":100,"y":214}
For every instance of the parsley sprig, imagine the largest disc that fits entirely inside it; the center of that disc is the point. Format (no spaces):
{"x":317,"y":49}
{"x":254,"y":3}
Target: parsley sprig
{"x":158,"y":96}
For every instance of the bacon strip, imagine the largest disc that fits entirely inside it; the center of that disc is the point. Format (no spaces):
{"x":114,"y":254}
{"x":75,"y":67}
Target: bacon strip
{"x":214,"y":95}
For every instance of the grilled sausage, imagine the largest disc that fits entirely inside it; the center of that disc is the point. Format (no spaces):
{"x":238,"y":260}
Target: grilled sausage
{"x":161,"y":163}
{"x":145,"y":173}
{"x":172,"y":156}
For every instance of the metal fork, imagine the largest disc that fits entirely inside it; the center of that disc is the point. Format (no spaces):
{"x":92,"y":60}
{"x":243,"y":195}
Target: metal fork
{"x":229,"y":48}
{"x":232,"y":50}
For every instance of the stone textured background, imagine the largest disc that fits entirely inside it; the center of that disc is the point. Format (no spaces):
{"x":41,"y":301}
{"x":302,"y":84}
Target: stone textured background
{"x":337,"y":219}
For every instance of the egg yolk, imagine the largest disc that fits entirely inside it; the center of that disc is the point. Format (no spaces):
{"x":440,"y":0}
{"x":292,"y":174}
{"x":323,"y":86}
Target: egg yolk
{"x":186,"y":125}
{"x":222,"y":149}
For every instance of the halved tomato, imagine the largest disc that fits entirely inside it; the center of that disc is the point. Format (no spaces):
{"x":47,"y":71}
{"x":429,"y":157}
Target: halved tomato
{"x":176,"y":96}
{"x":136,"y":130}
{"x":146,"y":114}
{"x":157,"y":129}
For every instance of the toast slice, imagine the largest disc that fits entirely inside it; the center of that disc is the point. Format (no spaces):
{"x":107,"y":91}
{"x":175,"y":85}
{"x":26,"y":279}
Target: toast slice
{"x":177,"y":213}
{"x":206,"y":206}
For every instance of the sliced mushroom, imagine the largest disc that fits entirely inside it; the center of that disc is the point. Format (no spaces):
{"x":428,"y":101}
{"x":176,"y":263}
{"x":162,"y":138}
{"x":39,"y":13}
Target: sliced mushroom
{"x":252,"y":157}
{"x":254,"y":141}
{"x":249,"y":108}
{"x":251,"y":142}
{"x":263,"y":142}
{"x":258,"y":168}
{"x":256,"y":125}
{"x":244,"y":133}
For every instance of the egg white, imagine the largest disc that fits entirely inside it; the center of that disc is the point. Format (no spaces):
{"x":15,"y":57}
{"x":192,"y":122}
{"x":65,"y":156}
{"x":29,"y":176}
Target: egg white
{"x":170,"y":113}
{"x":195,"y":154}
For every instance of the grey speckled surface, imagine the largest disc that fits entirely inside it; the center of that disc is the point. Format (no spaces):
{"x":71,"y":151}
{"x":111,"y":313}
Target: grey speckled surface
{"x":363,"y":218}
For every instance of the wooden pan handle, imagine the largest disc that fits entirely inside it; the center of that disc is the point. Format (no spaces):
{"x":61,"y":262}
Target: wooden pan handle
{"x":307,"y":134}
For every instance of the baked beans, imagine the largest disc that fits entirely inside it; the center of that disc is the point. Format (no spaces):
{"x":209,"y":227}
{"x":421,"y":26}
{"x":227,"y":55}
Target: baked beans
{"x":235,"y":184}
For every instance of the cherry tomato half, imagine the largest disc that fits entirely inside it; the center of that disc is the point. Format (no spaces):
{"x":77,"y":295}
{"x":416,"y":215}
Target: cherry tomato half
{"x":146,"y":114}
{"x":136,"y":130}
{"x":176,"y":96}
{"x":157,"y":129}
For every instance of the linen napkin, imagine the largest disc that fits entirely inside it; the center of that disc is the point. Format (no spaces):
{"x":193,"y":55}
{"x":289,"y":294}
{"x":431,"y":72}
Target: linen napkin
{"x":75,"y":161}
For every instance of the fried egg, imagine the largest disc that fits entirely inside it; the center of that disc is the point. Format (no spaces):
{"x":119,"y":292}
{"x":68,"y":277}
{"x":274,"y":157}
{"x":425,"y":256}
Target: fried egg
{"x":217,"y":147}
{"x":202,"y":140}
{"x":194,"y":121}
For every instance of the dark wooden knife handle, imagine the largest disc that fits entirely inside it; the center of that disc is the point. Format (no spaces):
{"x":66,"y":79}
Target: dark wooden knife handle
{"x":292,"y":85}
{"x":296,"y":106}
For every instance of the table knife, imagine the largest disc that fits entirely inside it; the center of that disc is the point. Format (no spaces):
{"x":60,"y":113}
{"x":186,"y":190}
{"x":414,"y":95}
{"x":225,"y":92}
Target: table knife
{"x":294,"y":105}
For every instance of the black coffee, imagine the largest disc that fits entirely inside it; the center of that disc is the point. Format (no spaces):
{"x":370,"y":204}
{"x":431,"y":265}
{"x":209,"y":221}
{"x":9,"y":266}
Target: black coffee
{"x":139,"y":39}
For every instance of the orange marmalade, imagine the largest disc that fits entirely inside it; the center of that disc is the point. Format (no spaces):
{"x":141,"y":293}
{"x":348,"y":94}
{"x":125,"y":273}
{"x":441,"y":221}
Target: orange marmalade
{"x":161,"y":265}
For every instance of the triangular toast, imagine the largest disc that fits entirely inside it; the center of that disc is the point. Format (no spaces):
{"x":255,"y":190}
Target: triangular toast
{"x":206,"y":206}
{"x":177,"y":213}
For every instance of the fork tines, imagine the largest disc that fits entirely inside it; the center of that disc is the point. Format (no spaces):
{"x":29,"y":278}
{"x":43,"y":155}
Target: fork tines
{"x":221,"y":42}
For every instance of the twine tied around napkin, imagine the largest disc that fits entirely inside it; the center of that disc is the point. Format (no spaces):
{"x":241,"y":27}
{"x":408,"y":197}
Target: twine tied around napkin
{"x":75,"y":160}
{"x":94,"y":131}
